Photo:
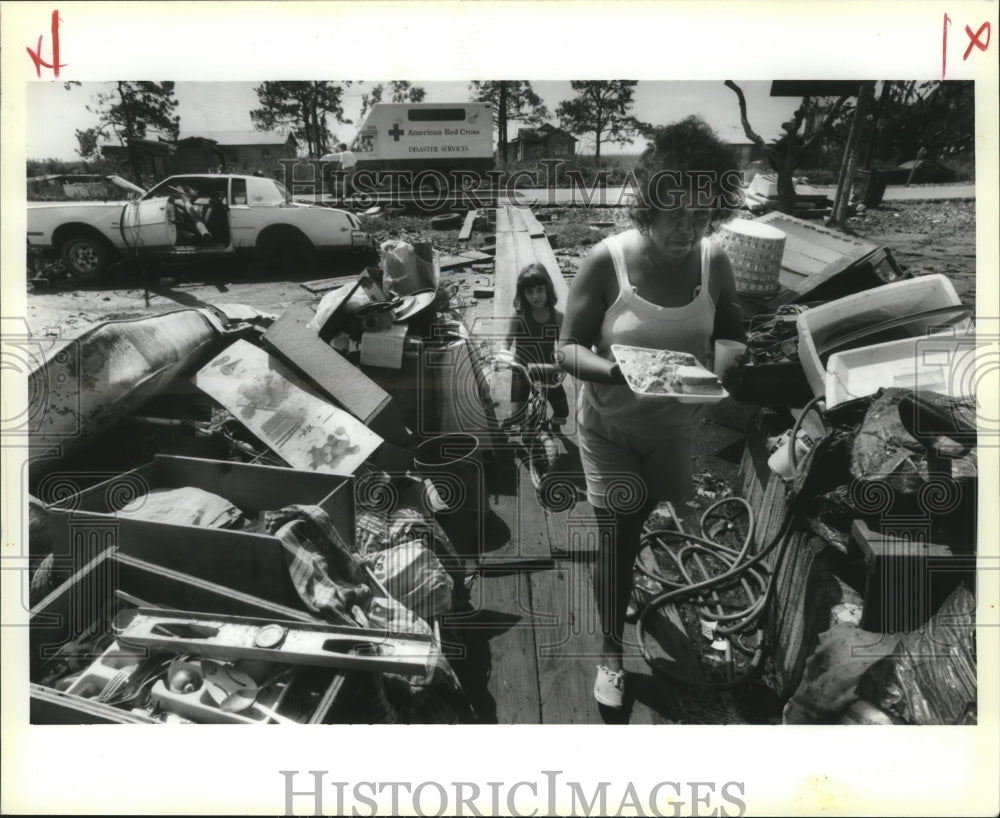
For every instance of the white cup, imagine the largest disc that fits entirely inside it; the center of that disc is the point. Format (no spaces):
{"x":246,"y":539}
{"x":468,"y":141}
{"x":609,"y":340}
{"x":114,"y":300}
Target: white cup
{"x":726,"y":354}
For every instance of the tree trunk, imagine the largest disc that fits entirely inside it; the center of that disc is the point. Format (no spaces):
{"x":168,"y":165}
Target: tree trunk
{"x":786,"y":184}
{"x":883,"y":99}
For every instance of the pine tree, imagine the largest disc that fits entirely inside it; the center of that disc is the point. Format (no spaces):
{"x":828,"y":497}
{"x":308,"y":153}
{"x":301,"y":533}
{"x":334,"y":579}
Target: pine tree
{"x":602,"y":108}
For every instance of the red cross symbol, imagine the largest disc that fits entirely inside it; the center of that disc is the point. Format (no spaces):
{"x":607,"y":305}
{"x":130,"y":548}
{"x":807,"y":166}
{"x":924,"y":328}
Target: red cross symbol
{"x":975,"y":41}
{"x":397,"y":132}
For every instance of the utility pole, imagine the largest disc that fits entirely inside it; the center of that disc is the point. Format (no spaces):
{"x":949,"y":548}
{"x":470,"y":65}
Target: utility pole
{"x":850,"y":163}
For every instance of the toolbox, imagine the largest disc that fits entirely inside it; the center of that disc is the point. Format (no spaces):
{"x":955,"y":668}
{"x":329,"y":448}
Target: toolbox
{"x":252,"y":563}
{"x":76,"y":660}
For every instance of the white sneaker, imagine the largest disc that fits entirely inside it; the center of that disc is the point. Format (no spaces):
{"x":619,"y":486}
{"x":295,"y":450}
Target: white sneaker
{"x":609,"y":688}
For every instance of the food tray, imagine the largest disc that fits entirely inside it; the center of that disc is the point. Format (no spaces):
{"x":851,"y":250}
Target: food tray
{"x":636,"y":363}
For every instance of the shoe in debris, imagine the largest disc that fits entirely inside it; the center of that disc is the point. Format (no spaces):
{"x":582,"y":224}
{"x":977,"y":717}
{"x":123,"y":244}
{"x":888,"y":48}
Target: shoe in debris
{"x":609,"y":688}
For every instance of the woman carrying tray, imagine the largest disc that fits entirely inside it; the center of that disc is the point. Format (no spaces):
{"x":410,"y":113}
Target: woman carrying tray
{"x":661,"y":285}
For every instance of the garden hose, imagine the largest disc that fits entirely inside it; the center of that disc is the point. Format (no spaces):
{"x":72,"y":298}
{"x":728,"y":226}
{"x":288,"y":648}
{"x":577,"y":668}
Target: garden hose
{"x":793,"y":457}
{"x":742,"y":569}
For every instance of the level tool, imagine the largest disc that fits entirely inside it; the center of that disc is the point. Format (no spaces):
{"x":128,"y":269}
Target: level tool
{"x":275,"y":640}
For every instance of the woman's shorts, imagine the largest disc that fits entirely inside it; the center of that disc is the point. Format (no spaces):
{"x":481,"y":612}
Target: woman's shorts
{"x":626,"y":472}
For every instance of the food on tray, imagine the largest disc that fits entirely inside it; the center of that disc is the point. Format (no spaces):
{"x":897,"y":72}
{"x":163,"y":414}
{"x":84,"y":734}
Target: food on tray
{"x":651,"y":371}
{"x":694,"y":380}
{"x":665,"y":373}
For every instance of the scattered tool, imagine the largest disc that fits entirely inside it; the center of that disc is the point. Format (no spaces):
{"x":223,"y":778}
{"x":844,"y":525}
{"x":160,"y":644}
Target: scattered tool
{"x":287,"y":642}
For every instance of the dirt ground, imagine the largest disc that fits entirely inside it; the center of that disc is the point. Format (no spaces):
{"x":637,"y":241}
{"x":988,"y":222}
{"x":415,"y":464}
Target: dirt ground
{"x":925,"y":237}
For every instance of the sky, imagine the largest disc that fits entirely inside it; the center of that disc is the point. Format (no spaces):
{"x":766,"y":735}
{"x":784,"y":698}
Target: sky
{"x":54,"y":113}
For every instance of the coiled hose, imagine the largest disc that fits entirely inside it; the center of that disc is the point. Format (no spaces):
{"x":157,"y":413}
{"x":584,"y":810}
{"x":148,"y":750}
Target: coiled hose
{"x":748,"y":571}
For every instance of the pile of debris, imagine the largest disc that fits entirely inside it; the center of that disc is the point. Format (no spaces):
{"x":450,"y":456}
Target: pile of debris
{"x":264,"y":542}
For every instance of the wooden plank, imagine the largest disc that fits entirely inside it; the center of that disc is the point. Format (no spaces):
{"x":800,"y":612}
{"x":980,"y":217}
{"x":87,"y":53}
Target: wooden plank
{"x":516,"y":215}
{"x":463,"y":259}
{"x":513,"y":682}
{"x":322,"y":285}
{"x":531,"y":223}
{"x":505,"y":280}
{"x":503,"y":220}
{"x":503,"y":597}
{"x":569,"y":647}
{"x":470,"y":219}
{"x":547,"y":258}
{"x":531,"y":528}
{"x":524,"y":253}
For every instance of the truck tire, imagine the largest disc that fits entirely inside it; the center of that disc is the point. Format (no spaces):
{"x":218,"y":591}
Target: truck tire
{"x":86,"y":256}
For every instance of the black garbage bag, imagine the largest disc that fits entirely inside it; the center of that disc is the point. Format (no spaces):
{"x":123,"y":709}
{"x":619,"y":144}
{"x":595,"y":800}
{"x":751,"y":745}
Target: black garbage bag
{"x":884,"y":450}
{"x":930,"y":678}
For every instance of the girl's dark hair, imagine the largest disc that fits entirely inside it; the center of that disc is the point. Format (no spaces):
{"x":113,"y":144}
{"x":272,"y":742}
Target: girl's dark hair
{"x":531,"y":276}
{"x":685,"y":154}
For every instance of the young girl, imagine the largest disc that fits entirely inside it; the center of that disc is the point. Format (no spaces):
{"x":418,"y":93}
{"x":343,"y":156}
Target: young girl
{"x":533,"y":332}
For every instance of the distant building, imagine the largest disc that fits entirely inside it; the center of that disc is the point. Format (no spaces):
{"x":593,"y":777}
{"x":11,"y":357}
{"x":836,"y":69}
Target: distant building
{"x":150,"y":160}
{"x":250,"y":151}
{"x":544,"y":142}
{"x":746,"y":150}
{"x":197,"y":154}
{"x":145,"y":161}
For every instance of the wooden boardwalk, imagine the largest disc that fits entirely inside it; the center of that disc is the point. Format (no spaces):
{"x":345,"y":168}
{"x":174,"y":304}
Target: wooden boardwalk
{"x":531,"y":646}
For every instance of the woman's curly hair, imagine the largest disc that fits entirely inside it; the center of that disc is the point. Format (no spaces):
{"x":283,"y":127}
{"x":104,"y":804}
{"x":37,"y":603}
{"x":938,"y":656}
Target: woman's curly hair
{"x":681,"y":154}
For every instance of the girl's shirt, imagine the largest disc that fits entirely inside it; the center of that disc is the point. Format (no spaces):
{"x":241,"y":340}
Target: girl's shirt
{"x":534,"y":341}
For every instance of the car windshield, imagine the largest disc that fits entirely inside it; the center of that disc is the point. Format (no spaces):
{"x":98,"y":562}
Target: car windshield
{"x":284,"y":192}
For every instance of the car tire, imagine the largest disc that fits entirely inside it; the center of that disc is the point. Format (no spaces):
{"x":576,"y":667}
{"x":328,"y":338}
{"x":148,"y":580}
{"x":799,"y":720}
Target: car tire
{"x":288,"y":255}
{"x":86,"y":256}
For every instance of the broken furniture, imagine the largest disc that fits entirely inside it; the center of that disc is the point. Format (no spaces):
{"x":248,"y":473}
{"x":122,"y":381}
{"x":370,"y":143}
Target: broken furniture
{"x":820,"y":264}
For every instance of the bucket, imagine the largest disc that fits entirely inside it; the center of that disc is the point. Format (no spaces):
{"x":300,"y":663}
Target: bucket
{"x":457,"y":493}
{"x":755,"y":250}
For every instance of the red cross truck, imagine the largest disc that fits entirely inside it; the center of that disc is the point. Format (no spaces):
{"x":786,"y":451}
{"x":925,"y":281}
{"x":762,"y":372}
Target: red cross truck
{"x":433,"y":142}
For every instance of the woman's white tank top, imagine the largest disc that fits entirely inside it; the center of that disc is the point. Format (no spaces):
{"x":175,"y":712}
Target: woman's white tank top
{"x":634,"y":321}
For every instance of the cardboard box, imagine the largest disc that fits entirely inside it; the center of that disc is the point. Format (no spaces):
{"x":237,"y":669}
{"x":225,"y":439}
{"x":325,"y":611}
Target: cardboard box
{"x":251,"y":563}
{"x":85,"y":605}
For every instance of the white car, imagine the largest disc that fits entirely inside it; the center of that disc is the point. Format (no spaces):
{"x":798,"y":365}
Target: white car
{"x":192,"y":216}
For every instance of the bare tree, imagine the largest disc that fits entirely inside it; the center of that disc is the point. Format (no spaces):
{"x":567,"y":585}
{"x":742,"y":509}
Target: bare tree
{"x":785,"y":154}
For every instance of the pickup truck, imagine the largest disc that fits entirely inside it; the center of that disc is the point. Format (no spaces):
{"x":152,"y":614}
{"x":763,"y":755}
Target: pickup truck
{"x":192,"y":216}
